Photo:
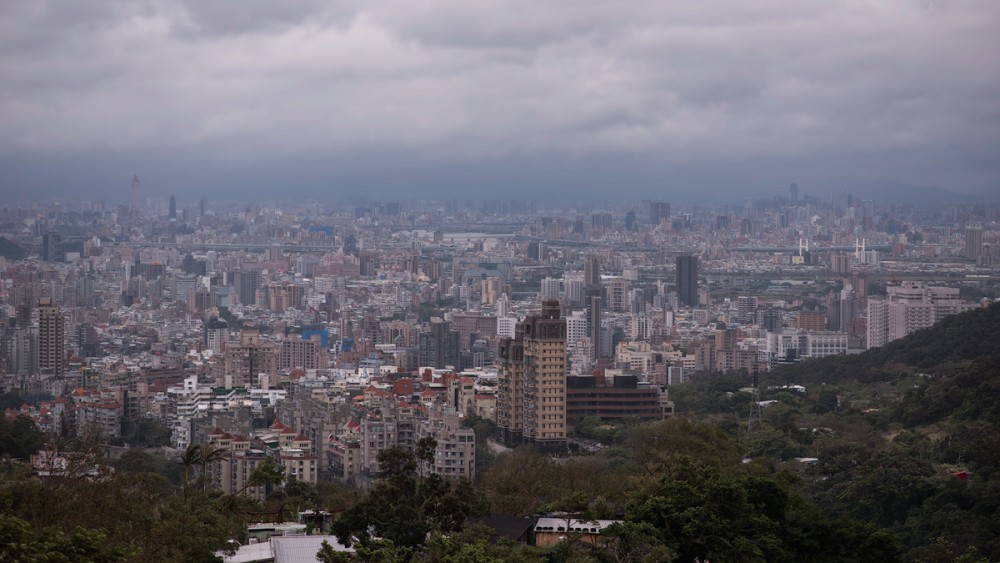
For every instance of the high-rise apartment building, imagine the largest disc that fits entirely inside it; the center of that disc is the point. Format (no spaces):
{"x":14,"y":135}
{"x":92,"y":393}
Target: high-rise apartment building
{"x":659,"y":211}
{"x":594,"y":321}
{"x":550,"y":289}
{"x":531,"y":394}
{"x":215,"y":334}
{"x":848,"y":309}
{"x":438,"y":345}
{"x":687,"y":280}
{"x":591,"y":273}
{"x":305,"y":353}
{"x":616,"y":293}
{"x":601,"y":222}
{"x":51,"y":337}
{"x":573,"y":290}
{"x":746,"y":309}
{"x":909,"y":307}
{"x":245,"y":361}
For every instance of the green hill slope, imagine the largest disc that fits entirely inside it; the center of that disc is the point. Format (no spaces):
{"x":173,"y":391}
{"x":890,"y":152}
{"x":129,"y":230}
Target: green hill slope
{"x":955,"y":340}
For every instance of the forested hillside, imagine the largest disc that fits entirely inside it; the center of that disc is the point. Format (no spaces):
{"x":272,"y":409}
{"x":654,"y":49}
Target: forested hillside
{"x":906,"y":436}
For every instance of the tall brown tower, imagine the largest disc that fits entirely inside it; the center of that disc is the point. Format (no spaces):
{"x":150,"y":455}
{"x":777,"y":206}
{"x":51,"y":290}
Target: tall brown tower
{"x":51,"y":337}
{"x":531,"y":399}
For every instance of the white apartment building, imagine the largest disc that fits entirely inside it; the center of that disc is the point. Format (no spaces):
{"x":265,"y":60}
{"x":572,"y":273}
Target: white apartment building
{"x":909,"y":307}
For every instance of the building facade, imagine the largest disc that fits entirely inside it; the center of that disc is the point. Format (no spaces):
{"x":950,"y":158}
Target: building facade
{"x":531,"y":397}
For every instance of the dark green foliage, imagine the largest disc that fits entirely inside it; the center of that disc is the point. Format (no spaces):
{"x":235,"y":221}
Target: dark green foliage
{"x":403,"y":508}
{"x":19,"y":438}
{"x":18,"y":542}
{"x":11,"y":400}
{"x":704,"y":513}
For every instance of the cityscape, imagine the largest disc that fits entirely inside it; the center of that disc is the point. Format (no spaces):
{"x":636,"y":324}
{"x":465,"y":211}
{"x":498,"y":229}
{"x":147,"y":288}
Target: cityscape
{"x":504,"y":281}
{"x":320,"y":336}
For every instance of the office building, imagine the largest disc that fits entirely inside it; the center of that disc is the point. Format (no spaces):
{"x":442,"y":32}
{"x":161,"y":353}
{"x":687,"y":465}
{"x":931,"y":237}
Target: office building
{"x":687,"y":280}
{"x":51,"y":251}
{"x":246,"y":283}
{"x":621,"y":398}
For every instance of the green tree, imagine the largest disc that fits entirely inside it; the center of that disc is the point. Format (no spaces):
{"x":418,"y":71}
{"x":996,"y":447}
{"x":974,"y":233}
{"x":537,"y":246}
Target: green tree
{"x":19,"y":543}
{"x":403,"y":509}
{"x":630,"y":542}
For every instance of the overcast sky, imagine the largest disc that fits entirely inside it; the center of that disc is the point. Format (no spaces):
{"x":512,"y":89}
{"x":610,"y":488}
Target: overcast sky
{"x":485,"y":98}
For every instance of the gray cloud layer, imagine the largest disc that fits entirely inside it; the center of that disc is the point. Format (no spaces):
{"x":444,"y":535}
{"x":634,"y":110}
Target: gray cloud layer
{"x":709,"y":91}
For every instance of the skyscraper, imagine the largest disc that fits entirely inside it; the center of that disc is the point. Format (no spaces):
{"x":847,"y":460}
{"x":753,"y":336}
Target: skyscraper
{"x":51,"y":337}
{"x":592,"y":273}
{"x":848,"y":309}
{"x":973,"y":242}
{"x":246,"y":283}
{"x":173,"y":207}
{"x":687,"y":280}
{"x":531,"y":398}
{"x":659,"y":211}
{"x":133,"y":207}
{"x":594,"y":321}
{"x":793,"y":194}
{"x":50,"y":247}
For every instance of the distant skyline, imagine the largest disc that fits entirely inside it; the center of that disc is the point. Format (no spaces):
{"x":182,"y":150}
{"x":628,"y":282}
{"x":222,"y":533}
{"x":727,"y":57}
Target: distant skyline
{"x":722,"y":100}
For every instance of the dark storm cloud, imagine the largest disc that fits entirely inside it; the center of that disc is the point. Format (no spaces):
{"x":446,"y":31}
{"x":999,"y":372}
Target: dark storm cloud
{"x":708,"y":94}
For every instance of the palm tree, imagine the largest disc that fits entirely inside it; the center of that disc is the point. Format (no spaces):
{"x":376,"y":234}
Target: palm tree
{"x":190,"y":457}
{"x":209,"y":453}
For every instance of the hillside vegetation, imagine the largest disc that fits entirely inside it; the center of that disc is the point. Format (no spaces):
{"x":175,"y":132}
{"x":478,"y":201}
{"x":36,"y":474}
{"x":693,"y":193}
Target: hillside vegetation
{"x":906,"y":436}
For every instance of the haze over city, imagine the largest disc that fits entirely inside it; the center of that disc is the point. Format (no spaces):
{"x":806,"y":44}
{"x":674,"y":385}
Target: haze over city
{"x":713,"y":100}
{"x":302,"y":281}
